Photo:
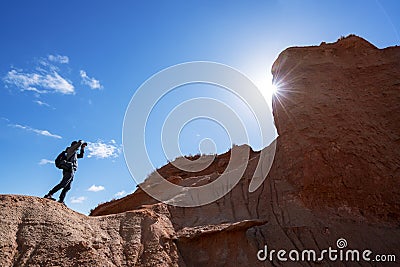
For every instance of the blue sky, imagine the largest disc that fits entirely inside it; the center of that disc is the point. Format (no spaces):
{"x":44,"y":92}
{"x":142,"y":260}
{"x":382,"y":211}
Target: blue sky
{"x":68,"y":70}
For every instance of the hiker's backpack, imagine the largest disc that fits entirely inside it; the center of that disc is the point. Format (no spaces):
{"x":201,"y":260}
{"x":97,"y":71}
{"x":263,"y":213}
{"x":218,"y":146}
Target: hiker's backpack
{"x":62,"y":163}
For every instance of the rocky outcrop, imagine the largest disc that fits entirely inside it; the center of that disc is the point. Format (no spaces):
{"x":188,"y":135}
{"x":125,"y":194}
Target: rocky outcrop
{"x":338,"y":117}
{"x":40,"y":232}
{"x":335,"y":175}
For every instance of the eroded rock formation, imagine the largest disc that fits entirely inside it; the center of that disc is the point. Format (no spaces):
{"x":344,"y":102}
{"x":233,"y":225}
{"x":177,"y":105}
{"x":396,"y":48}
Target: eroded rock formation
{"x":335,"y":175}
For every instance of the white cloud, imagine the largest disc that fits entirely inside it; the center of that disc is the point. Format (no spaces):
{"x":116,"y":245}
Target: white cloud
{"x":120,"y":193}
{"x":47,"y":75}
{"x":37,"y":131}
{"x":103,"y":150}
{"x":5,"y":119}
{"x":96,"y":188}
{"x":76,"y":200}
{"x":41,"y":82}
{"x":91,"y":82}
{"x":43,"y":104}
{"x":46,"y":161}
{"x":59,"y":59}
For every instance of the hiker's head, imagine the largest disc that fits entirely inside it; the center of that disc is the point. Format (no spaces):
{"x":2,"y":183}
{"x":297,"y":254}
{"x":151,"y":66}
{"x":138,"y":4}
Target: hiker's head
{"x":74,"y":143}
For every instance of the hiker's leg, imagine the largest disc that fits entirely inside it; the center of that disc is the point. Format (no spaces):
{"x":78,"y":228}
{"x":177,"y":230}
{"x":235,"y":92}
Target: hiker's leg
{"x":62,"y":184}
{"x":64,"y":192}
{"x":55,"y":189}
{"x":67,"y":186}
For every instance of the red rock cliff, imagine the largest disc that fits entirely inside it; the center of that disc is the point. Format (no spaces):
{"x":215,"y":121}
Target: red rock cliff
{"x":338,"y":117}
{"x":337,"y":165}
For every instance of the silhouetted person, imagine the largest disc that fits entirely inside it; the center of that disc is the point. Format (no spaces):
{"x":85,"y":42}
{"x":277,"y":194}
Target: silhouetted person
{"x":69,"y":164}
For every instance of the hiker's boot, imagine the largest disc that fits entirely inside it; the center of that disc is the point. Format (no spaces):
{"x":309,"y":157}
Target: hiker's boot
{"x":49,"y":196}
{"x":62,"y":202}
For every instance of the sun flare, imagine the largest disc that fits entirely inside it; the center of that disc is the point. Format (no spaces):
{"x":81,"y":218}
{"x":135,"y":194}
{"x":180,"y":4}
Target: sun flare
{"x":273,"y":89}
{"x":267,"y":87}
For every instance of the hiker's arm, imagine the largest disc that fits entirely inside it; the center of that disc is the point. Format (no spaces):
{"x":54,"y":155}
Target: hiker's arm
{"x":80,"y":155}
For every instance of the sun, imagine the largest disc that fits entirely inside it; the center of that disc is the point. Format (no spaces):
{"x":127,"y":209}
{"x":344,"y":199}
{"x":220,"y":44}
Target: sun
{"x":265,"y":84}
{"x":273,"y":89}
{"x":268,"y":89}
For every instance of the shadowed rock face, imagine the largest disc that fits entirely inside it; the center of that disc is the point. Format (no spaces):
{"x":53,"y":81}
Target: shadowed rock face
{"x":335,"y":175}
